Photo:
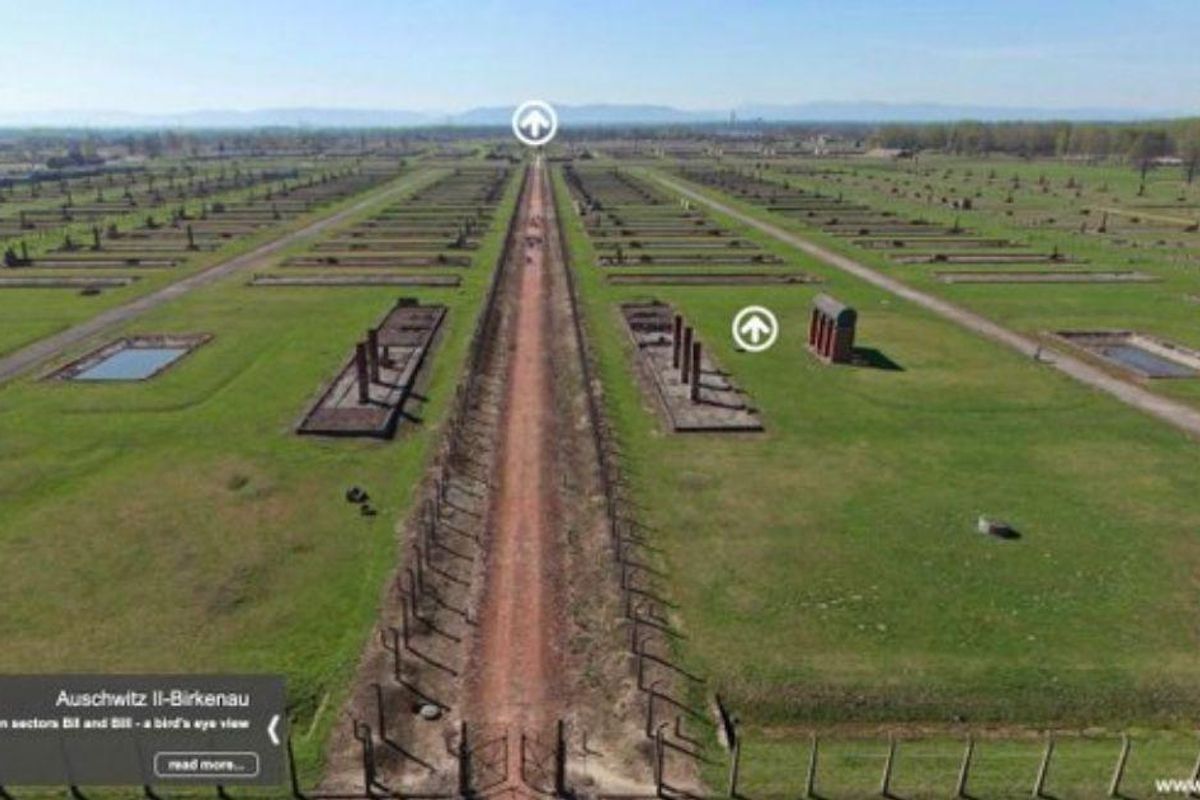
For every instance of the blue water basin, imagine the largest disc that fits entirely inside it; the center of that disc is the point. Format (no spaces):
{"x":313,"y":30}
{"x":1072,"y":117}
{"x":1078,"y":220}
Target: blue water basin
{"x":132,"y":364}
{"x":1145,"y":362}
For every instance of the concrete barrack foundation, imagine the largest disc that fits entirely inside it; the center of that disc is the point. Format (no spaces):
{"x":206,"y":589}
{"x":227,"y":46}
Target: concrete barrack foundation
{"x":711,"y":278}
{"x":369,"y":392}
{"x":1045,"y":276}
{"x":1137,"y":354}
{"x":144,"y":341}
{"x":372,"y":279}
{"x":694,"y":393}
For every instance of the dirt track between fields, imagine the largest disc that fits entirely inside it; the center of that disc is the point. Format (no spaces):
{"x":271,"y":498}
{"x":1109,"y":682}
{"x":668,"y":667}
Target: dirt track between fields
{"x":516,"y":664}
{"x":505,"y":609}
{"x":45,"y":349}
{"x":1180,"y":415}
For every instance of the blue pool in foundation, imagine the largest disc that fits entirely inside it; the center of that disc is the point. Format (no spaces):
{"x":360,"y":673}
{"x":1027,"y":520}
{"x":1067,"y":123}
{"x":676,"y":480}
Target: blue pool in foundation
{"x":1146,"y":362}
{"x":1142,"y":354}
{"x":132,"y":364}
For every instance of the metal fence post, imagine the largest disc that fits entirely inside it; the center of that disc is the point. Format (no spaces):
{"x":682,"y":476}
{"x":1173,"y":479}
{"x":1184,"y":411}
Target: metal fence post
{"x":464,"y":761}
{"x":885,"y":782}
{"x":293,"y":775}
{"x":964,"y":770}
{"x":1039,"y":783}
{"x":810,"y":780}
{"x":1114,"y":787}
{"x":659,"y":758}
{"x":735,"y":765}
{"x":560,"y":761}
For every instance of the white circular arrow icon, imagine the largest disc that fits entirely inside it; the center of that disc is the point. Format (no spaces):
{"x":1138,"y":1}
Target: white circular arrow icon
{"x":755,"y":329}
{"x":534,"y":123}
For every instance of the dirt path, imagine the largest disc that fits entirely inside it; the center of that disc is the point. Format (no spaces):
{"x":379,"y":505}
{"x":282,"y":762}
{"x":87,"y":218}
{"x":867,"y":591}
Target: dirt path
{"x":515,"y":664}
{"x":1177,"y":414}
{"x":42,"y":350}
{"x":505,"y":610}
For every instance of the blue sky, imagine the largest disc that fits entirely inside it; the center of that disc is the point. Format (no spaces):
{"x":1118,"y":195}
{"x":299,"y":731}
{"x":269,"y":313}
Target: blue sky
{"x":175,"y":55}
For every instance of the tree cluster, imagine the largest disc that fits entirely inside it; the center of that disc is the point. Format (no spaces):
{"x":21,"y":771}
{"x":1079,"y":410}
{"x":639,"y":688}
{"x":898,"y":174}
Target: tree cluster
{"x":1139,"y":144}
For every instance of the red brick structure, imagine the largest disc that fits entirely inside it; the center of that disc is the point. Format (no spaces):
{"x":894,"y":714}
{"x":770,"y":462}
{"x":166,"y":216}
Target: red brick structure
{"x":831,"y":330}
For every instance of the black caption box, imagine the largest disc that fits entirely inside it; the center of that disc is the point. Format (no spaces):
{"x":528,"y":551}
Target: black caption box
{"x":134,"y":730}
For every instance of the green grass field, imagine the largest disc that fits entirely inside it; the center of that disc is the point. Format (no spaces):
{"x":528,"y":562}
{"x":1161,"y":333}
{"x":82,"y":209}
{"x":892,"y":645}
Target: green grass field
{"x":775,"y":765}
{"x":828,"y":572}
{"x":1168,"y":252}
{"x":179,"y":524}
{"x":27,"y":315}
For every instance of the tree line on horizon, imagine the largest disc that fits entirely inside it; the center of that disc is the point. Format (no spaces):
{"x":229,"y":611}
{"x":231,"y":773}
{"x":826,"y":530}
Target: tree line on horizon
{"x":1140,"y":144}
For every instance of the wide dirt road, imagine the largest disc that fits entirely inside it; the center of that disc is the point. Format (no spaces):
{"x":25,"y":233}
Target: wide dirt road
{"x":515,"y":665}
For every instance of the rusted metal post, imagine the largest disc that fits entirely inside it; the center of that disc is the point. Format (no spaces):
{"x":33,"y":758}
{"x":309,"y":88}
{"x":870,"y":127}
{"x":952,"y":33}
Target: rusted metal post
{"x":362,"y":732}
{"x":361,"y":374}
{"x":676,"y":340}
{"x":420,"y":568}
{"x":659,"y":759}
{"x":380,"y":714}
{"x":651,"y":693}
{"x":373,"y":353}
{"x":522,"y":759}
{"x":390,"y":639}
{"x":696,"y":353}
{"x":686,"y":362}
{"x":414,"y":595}
{"x":560,"y":761}
{"x":464,"y":762}
{"x":405,"y":630}
{"x":431,"y":528}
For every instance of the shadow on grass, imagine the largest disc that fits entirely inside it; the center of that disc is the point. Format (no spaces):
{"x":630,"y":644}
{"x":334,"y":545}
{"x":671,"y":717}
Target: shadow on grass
{"x":870,"y":358}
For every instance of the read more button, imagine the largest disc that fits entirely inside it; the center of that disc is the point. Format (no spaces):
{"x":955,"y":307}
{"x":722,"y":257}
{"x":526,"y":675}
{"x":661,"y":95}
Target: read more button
{"x":195,"y":765}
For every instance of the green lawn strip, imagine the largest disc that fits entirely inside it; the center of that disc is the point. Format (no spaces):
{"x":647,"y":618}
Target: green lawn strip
{"x":775,"y":765}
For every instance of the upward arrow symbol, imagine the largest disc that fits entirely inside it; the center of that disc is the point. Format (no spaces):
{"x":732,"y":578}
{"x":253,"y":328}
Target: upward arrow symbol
{"x":535,"y":122}
{"x":755,"y":329}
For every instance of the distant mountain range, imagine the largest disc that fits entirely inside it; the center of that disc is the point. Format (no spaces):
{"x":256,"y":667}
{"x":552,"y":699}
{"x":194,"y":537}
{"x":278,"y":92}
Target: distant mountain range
{"x":579,"y":115}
